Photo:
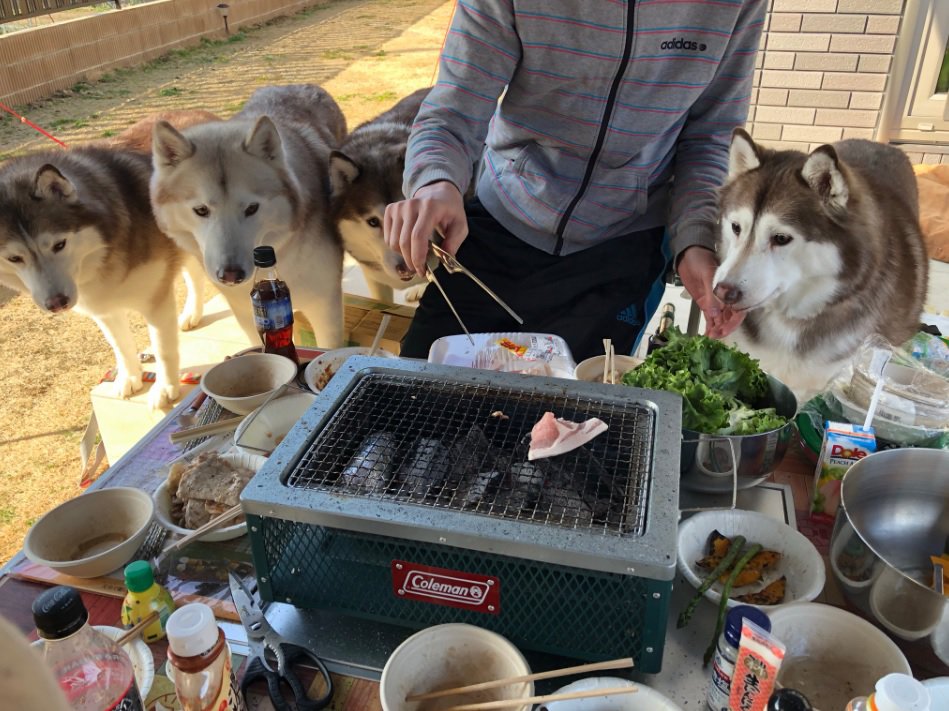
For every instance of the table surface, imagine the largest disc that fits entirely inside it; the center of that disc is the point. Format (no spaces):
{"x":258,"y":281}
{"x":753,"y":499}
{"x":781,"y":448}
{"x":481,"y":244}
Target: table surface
{"x":357,"y":649}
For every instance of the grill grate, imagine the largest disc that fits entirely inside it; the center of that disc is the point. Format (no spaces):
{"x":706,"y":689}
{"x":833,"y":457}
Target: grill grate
{"x":463,"y":446}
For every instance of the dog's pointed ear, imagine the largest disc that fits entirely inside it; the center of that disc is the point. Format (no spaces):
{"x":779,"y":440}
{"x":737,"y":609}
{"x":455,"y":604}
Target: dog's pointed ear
{"x":822,"y":172}
{"x":743,"y":155}
{"x":263,"y":141}
{"x":169,"y":147}
{"x":343,"y":172}
{"x":50,"y":184}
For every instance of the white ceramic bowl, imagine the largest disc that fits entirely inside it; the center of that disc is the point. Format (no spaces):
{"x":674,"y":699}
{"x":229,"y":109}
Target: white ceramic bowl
{"x":92,"y":534}
{"x":266,"y":426}
{"x":591,"y":369}
{"x":832,"y":655}
{"x":643,"y":699}
{"x":321,"y":369}
{"x":445,"y":656}
{"x":242,"y":384}
{"x":162,"y":497}
{"x":800,"y":562}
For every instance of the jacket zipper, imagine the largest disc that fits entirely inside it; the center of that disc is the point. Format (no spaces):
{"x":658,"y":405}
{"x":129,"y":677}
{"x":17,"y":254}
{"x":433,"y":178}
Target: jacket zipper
{"x":604,"y":127}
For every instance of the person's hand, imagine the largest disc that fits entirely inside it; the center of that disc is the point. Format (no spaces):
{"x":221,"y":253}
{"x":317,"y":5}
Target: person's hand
{"x":409,"y":224}
{"x":697,"y":267}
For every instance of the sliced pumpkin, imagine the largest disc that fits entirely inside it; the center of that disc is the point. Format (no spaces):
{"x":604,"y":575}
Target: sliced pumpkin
{"x":744,"y":577}
{"x":772,"y":594}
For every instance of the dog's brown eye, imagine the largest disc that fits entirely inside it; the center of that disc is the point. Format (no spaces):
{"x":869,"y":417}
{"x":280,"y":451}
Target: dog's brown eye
{"x":374,"y":222}
{"x":736,"y":228}
{"x":779,"y":240}
{"x":15,"y":260}
{"x":201,"y":211}
{"x":251,"y":209}
{"x":59,"y":246}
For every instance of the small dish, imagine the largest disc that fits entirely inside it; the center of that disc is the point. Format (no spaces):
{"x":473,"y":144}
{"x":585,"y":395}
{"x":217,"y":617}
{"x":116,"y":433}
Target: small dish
{"x":321,"y":369}
{"x":800,"y":562}
{"x":591,"y":369}
{"x":265,"y":427}
{"x":242,"y":384}
{"x":643,"y":699}
{"x":162,"y":498}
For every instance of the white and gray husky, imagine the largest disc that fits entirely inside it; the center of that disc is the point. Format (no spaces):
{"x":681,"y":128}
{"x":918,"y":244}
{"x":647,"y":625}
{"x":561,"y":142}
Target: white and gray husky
{"x":365,"y":176}
{"x":822,"y":250}
{"x":76,"y":231}
{"x":221,"y":188}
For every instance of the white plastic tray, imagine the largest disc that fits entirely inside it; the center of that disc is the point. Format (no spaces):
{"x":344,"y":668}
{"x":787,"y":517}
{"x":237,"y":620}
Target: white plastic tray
{"x":532,"y":353}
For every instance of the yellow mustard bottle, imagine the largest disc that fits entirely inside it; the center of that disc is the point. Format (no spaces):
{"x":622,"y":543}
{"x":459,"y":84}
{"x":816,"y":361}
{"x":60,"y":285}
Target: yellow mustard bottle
{"x":144,"y":596}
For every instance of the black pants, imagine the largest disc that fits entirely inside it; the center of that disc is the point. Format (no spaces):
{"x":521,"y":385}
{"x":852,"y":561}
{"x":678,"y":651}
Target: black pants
{"x":598,"y":293}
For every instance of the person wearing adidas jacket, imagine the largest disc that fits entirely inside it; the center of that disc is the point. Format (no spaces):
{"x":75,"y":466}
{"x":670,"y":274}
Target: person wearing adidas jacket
{"x":597,"y":132}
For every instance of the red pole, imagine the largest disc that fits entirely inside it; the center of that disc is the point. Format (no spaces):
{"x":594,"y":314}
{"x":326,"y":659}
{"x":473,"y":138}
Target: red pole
{"x":24,"y":119}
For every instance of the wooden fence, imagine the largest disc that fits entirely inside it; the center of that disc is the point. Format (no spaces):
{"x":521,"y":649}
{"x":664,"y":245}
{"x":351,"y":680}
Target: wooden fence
{"x":36,"y":63}
{"x":14,"y":10}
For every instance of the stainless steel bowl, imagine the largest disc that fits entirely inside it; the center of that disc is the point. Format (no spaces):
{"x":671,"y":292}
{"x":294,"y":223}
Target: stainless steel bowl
{"x":707,"y":460}
{"x":894,"y":515}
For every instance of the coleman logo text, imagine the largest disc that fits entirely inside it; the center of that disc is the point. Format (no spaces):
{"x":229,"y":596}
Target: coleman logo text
{"x":446,"y":588}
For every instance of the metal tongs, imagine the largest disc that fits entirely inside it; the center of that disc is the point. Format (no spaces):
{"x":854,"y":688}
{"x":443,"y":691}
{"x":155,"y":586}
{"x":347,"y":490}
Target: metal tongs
{"x":438,"y":256}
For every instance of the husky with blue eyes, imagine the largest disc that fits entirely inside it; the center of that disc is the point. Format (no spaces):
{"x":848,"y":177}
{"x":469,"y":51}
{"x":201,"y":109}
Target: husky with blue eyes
{"x":822,"y":250}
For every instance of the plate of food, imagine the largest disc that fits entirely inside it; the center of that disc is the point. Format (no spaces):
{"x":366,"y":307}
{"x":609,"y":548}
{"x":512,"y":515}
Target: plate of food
{"x":200,"y":488}
{"x":784,"y":567}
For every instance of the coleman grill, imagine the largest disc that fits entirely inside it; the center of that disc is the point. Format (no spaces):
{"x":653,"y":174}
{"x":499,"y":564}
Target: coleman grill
{"x":405,"y":495}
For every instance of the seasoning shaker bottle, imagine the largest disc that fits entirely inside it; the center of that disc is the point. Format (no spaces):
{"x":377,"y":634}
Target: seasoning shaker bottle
{"x":894,"y":692}
{"x":726,"y":653}
{"x":273,"y":311}
{"x":144,"y":597}
{"x":199,"y":661}
{"x":92,"y":670}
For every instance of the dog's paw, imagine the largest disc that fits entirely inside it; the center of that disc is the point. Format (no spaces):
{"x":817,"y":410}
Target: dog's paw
{"x":162,"y":395}
{"x":127,"y":384}
{"x":190,"y":318}
{"x":414,"y":293}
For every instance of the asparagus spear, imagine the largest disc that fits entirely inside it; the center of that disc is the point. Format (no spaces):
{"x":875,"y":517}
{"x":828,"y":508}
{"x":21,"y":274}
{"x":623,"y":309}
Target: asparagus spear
{"x":723,"y":603}
{"x":737,"y":543}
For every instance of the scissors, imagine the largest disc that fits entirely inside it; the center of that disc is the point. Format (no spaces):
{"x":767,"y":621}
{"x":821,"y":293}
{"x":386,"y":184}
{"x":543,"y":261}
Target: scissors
{"x":438,"y":256}
{"x":266,"y":646}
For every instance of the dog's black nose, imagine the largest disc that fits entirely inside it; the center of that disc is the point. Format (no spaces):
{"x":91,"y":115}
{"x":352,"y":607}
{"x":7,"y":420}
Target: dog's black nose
{"x":728,"y":293}
{"x":57,"y":303}
{"x":231,"y":275}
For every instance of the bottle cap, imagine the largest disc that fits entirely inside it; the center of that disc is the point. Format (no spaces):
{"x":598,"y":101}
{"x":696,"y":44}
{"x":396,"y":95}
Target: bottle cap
{"x":191,"y":630}
{"x":59,"y":612}
{"x":739,"y":613}
{"x":899,"y":692}
{"x":788,"y":700}
{"x":264,"y":256}
{"x":139,"y":576}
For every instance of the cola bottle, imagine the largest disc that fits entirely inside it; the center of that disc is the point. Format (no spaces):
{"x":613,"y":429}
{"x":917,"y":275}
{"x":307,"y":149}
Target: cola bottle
{"x":273,"y":312}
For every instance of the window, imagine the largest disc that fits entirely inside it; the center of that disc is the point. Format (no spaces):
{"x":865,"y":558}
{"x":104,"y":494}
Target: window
{"x":920,"y":78}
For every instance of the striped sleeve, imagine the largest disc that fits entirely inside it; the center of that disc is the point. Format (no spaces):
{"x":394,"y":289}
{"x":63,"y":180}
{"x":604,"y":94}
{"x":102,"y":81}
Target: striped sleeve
{"x":480,"y":54}
{"x":701,"y":161}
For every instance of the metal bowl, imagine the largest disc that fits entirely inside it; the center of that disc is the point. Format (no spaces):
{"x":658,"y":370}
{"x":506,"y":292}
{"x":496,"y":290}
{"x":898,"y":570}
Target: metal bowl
{"x":893,"y":515}
{"x":707,"y":460}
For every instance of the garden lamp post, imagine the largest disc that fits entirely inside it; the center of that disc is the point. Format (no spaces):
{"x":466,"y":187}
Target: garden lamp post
{"x":225,"y":10}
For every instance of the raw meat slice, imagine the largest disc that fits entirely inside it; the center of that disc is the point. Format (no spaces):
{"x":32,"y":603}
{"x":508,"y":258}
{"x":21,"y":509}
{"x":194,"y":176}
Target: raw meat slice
{"x":553,"y":435}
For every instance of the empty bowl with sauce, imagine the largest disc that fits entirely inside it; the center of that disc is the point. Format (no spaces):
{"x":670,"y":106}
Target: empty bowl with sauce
{"x":244,"y":383}
{"x":92,"y":534}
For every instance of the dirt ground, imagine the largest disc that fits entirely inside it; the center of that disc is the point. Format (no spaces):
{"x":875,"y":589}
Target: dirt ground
{"x":366,"y":53}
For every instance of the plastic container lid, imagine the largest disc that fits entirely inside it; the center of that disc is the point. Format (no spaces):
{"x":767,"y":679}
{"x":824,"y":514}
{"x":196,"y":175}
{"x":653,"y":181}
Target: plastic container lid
{"x":59,"y":612}
{"x":899,"y":692}
{"x":191,"y":630}
{"x":139,"y":576}
{"x":264,"y":256}
{"x":742,"y":612}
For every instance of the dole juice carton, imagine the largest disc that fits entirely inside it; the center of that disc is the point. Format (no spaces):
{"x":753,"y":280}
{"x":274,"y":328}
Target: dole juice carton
{"x":844,"y":445}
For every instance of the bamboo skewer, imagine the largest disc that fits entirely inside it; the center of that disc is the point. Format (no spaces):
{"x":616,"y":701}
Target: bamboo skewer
{"x":545,"y":699}
{"x":137,"y":628}
{"x":215,"y":428}
{"x":624,"y":663}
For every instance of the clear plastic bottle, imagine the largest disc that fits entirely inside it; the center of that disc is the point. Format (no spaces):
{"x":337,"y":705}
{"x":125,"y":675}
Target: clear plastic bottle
{"x":94,"y":672}
{"x":273,"y":312}
{"x":726,"y":653}
{"x":144,"y":597}
{"x":200,"y":661}
{"x":894,"y":692}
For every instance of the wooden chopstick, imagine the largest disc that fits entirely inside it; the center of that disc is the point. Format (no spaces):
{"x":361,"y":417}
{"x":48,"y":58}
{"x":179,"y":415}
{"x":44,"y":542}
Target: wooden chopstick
{"x":607,"y":344}
{"x":214,"y":523}
{"x":135,"y":630}
{"x":546,"y":699}
{"x":219,"y":427}
{"x":624,"y":663}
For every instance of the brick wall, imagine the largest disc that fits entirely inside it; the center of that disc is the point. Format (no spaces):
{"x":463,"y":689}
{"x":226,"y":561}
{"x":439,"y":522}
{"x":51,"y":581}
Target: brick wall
{"x":36,"y":63}
{"x":822,"y":70}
